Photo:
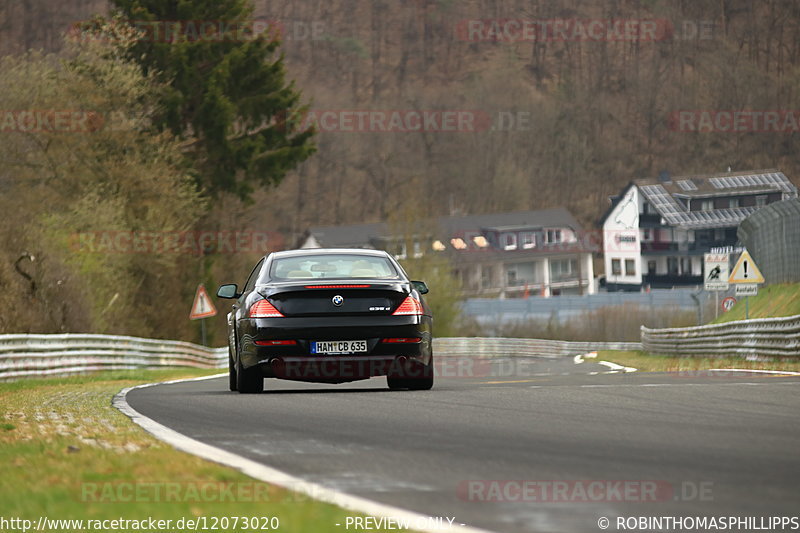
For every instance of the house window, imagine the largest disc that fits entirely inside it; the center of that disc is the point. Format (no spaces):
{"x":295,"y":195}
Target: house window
{"x":647,"y":235}
{"x":528,"y":240}
{"x":438,"y":246}
{"x":672,"y":265}
{"x":707,"y":205}
{"x":511,"y":277}
{"x":417,"y":249}
{"x":651,"y":267}
{"x":509,"y":241}
{"x":761,"y":200}
{"x":616,"y":267}
{"x":486,"y":277}
{"x":480,"y":241}
{"x":458,"y":243}
{"x":733,"y":202}
{"x":630,"y":267}
{"x":563,"y":268}
{"x":552,"y":236}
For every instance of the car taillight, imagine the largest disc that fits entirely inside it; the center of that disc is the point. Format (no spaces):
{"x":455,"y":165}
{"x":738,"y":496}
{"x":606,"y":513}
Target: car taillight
{"x":276,"y":343}
{"x":408,"y":340}
{"x":338,"y":286}
{"x":410,"y":306}
{"x":264,"y":309}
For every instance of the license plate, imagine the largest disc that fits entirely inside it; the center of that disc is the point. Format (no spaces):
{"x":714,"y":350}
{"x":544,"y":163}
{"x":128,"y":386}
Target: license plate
{"x":331,"y":347}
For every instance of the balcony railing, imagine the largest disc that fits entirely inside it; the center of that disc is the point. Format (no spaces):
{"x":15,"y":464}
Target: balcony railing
{"x":671,"y":280}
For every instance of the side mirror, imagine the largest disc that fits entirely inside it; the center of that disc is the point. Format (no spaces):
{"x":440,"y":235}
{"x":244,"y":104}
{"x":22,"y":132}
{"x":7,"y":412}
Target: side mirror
{"x":230,"y":291}
{"x":420,"y":286}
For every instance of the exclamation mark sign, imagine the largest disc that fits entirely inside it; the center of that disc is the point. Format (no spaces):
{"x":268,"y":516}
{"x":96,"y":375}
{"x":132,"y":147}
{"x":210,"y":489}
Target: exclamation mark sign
{"x":745,"y":269}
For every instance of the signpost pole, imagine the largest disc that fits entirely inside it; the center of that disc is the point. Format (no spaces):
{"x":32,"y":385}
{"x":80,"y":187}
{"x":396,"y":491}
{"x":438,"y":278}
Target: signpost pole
{"x":716,"y":305}
{"x":202,"y":308}
{"x":746,"y":307}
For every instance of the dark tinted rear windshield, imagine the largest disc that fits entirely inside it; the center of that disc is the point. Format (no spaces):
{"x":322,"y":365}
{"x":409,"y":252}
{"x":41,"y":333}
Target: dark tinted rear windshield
{"x":329,"y":266}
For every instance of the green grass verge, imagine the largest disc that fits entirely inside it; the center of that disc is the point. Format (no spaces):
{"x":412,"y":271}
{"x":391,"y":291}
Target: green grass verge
{"x":66,"y":453}
{"x":771,"y":301}
{"x":646,"y":362}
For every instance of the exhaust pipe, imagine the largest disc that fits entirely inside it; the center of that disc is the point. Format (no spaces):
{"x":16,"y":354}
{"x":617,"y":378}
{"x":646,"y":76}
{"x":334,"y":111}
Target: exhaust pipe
{"x":277,"y":365}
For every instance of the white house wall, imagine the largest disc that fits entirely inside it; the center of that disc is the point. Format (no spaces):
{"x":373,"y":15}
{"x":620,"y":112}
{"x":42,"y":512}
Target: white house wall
{"x":621,"y":238}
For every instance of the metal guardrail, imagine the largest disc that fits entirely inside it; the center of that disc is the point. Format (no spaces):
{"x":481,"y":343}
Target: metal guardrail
{"x":24,"y":355}
{"x":760,"y":337}
{"x":505,"y":347}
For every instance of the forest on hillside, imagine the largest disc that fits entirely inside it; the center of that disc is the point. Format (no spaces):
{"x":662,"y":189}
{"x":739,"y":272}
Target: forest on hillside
{"x":570,"y":121}
{"x":558,"y":119}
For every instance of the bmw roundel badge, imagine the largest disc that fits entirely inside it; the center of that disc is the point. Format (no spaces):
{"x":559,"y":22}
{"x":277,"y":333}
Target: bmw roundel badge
{"x":337,"y":300}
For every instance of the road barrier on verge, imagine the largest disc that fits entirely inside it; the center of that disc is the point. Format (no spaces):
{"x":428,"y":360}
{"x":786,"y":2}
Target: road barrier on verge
{"x":504,"y":347}
{"x":74,"y":353}
{"x":762,"y":337}
{"x":24,"y":355}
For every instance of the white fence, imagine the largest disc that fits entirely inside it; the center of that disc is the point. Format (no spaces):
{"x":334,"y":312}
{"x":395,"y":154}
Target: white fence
{"x":59,"y":355}
{"x":503,"y":347}
{"x":761,"y":337}
{"x":72,"y":353}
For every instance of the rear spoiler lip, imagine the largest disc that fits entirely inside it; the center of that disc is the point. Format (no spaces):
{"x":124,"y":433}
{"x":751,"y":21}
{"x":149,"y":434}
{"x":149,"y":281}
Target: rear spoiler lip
{"x":270,"y":289}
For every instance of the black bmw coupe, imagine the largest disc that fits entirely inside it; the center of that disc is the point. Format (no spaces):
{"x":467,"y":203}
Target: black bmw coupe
{"x":329,"y":316}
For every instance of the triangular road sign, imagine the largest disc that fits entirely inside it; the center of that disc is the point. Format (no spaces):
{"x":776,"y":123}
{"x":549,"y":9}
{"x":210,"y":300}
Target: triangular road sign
{"x":202,"y":307}
{"x":746,"y":271}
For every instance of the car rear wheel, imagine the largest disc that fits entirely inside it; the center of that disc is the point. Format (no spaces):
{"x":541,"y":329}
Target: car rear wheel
{"x":249,"y":381}
{"x":424,"y":382}
{"x":396,"y":383}
{"x":421,"y":382}
{"x":231,"y":372}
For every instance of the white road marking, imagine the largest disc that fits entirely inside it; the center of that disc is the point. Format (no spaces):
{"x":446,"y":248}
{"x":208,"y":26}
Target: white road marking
{"x":617,"y":368}
{"x":266,"y":473}
{"x":578,"y":359}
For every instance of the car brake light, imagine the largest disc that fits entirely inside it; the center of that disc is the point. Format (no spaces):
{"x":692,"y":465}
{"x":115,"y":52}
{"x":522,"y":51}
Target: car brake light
{"x":338,"y":286}
{"x":409,"y":340}
{"x":264,"y":309}
{"x":276,"y":343}
{"x":410,"y":306}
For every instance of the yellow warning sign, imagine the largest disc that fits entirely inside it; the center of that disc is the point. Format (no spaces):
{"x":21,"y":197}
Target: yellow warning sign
{"x":745,"y":271}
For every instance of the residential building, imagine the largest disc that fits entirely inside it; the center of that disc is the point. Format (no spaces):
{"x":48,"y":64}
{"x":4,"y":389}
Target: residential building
{"x":521,"y":254}
{"x":656,"y":231}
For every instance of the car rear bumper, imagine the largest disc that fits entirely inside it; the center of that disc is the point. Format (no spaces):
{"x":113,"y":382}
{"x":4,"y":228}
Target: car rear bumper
{"x":341,"y":368}
{"x":297,"y":362}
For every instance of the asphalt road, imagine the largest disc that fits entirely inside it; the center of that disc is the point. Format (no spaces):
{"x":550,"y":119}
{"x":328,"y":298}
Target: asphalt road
{"x":715,"y":444}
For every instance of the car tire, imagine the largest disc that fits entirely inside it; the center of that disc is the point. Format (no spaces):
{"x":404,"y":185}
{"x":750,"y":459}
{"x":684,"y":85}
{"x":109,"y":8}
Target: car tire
{"x":425,"y":382}
{"x":249,"y":381}
{"x":232,"y":381}
{"x":396,"y":383}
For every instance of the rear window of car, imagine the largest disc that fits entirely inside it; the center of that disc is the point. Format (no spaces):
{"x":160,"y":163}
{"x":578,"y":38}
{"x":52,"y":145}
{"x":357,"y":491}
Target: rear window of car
{"x":330,"y":266}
